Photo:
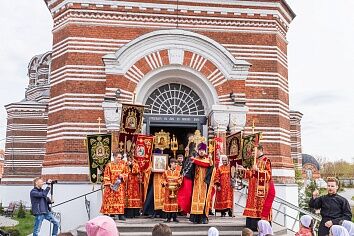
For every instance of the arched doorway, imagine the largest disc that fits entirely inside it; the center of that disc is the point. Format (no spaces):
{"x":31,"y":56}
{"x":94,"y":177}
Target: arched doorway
{"x":177,"y":109}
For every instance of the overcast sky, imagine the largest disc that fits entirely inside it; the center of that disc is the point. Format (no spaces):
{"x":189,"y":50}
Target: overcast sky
{"x":320,"y":56}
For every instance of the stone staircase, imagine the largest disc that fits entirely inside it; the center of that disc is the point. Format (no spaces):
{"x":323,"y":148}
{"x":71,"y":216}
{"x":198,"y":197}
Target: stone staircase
{"x":227,"y":226}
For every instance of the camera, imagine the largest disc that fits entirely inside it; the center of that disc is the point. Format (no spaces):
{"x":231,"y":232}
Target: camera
{"x":53,"y":182}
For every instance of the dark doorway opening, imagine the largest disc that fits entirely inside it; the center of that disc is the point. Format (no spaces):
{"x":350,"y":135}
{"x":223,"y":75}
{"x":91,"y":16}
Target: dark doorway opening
{"x":181,"y":134}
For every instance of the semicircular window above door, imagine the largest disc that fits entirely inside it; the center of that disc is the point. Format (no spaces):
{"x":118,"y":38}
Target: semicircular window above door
{"x":174,"y":99}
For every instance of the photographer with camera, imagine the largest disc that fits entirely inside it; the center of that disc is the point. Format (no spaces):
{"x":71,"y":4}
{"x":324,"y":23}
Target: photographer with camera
{"x":40,"y":206}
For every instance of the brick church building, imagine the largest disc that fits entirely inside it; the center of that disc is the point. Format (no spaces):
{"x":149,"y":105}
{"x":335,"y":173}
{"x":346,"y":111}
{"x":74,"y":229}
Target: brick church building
{"x":216,"y":66}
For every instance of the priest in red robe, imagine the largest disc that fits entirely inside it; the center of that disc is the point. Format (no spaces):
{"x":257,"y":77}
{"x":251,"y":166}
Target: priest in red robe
{"x":224,"y":191}
{"x":115,"y":174}
{"x":133,"y":189}
{"x":203,"y":180}
{"x":261,"y":191}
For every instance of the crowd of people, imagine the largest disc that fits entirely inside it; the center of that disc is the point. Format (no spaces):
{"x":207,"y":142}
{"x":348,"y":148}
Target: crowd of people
{"x":105,"y":226}
{"x":185,"y":187}
{"x":188,"y":187}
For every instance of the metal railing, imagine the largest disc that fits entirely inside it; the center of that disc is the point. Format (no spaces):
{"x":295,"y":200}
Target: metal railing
{"x":281,"y":208}
{"x":57,"y":215}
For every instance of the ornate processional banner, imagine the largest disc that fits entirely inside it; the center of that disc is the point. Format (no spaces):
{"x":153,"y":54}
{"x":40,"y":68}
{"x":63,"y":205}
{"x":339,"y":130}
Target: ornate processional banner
{"x":131,"y":119}
{"x":249,"y":143}
{"x":143,"y":150}
{"x":234,"y":148}
{"x":130,"y":126}
{"x":219,"y":146}
{"x":99,"y":154}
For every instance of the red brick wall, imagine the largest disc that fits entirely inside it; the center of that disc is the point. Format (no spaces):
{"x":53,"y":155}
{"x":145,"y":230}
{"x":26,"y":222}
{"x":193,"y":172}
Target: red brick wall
{"x":253,"y":34}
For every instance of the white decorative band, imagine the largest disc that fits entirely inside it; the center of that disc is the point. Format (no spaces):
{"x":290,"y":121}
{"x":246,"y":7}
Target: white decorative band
{"x":17,"y":179}
{"x":283,"y":172}
{"x":65,"y":170}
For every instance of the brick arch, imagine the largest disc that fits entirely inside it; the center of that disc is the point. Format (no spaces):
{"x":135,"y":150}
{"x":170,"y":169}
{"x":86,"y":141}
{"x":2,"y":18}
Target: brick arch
{"x":161,"y":58}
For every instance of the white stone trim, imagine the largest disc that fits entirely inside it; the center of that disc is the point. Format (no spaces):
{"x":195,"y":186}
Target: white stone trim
{"x":125,"y":57}
{"x":65,"y":170}
{"x":283,"y":172}
{"x":17,"y":179}
{"x":252,"y":29}
{"x":76,"y":68}
{"x":67,"y":137}
{"x":211,"y":10}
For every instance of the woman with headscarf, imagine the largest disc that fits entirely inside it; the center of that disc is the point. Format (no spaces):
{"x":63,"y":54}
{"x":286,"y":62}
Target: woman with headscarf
{"x":213,"y":231}
{"x":349,"y":227}
{"x":101,"y":226}
{"x":337,"y":230}
{"x":264,"y":228}
{"x":306,"y":226}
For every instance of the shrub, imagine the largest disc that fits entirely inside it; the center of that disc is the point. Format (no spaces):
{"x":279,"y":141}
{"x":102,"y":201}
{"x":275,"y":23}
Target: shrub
{"x":21,"y":211}
{"x":1,"y":209}
{"x":10,"y":232}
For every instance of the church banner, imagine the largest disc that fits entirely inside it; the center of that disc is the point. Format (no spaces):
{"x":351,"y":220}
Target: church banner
{"x":126,"y":144}
{"x":234,"y":148}
{"x":249,"y":143}
{"x":143,"y":150}
{"x":99,"y":154}
{"x":131,"y":121}
{"x":218,"y":150}
{"x":130,"y":126}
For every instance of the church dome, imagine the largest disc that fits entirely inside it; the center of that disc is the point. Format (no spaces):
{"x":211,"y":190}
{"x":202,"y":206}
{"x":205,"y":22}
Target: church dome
{"x":308,"y":159}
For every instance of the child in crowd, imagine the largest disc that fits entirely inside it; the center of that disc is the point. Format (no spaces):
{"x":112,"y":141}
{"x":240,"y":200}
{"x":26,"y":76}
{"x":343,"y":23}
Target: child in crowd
{"x":337,"y":230}
{"x":102,"y":226}
{"x":264,"y":228}
{"x":247,"y":232}
{"x":306,"y":226}
{"x":349,"y":227}
{"x":171,"y":181}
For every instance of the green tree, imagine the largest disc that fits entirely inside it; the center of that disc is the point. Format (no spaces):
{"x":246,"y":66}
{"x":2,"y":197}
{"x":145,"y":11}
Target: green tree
{"x":21,"y":211}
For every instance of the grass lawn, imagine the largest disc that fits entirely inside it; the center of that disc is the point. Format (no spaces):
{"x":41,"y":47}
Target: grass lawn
{"x":25,"y":226}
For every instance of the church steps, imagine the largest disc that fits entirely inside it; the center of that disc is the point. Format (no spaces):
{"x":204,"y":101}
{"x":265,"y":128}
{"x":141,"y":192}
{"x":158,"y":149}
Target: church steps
{"x":142,"y":226}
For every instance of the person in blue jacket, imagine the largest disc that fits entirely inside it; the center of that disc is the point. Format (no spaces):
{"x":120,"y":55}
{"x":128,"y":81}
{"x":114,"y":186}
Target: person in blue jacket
{"x":40,"y":207}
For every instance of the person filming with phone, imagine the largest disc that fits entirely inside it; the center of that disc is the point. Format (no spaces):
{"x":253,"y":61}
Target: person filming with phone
{"x":40,"y":206}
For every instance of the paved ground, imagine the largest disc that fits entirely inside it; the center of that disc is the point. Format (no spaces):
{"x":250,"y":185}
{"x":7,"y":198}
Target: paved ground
{"x":7,"y":222}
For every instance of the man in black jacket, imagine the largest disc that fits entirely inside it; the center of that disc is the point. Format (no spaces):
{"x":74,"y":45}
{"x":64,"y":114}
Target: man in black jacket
{"x":334,"y":208}
{"x":40,"y":208}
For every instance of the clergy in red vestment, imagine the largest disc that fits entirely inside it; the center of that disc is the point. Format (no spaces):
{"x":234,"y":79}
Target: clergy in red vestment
{"x":261,"y":191}
{"x":203,"y":181}
{"x":224,"y":191}
{"x":115,"y":174}
{"x":133,"y":189}
{"x":171,"y":181}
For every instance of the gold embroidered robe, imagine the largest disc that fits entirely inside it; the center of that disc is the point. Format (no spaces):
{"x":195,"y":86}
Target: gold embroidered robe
{"x":171,"y":176}
{"x":201,"y":195}
{"x":133,"y":187}
{"x":113,"y":201}
{"x":255,"y":201}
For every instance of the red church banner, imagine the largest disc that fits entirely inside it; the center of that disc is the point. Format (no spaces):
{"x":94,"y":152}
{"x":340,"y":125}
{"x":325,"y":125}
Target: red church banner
{"x":218,"y":150}
{"x":234,"y":148}
{"x":131,"y":120}
{"x":143,"y":150}
{"x":130,"y":126}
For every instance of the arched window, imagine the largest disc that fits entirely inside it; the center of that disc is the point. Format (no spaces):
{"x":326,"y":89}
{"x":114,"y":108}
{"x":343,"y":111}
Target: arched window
{"x":174,"y":99}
